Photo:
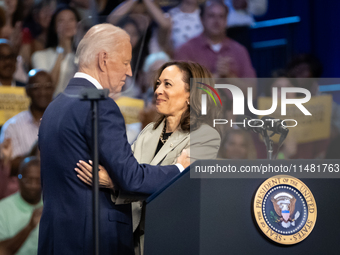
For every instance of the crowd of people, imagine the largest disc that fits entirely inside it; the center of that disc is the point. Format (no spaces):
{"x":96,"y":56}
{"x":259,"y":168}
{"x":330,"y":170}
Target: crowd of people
{"x":38,"y":41}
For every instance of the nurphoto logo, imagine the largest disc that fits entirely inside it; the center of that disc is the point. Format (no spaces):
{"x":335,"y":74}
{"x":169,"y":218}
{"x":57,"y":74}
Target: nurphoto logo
{"x":239,"y":102}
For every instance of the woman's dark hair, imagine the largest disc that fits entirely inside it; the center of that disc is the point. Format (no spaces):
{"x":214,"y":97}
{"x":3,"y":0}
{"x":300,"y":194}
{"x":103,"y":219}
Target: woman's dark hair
{"x":18,"y":14}
{"x":138,"y":54}
{"x":127,"y":20}
{"x":2,"y":17}
{"x":31,"y":20}
{"x":194,"y":76}
{"x":52,"y":37}
{"x":312,"y":61}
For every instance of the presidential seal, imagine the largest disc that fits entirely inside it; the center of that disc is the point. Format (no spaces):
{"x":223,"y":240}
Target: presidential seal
{"x":285,"y":209}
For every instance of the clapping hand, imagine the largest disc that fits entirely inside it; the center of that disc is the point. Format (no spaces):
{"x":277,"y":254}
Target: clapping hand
{"x":6,"y":150}
{"x":35,"y":218}
{"x":224,"y":67}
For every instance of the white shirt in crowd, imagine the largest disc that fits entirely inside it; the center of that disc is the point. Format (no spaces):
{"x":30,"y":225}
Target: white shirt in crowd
{"x":245,"y":17}
{"x":185,"y":26}
{"x":23,"y":131}
{"x":45,"y":60}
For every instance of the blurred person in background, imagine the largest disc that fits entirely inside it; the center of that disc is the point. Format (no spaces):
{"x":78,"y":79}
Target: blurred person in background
{"x":13,"y":32}
{"x":186,"y":23}
{"x":290,"y":149}
{"x":237,"y":144}
{"x":241,"y":17}
{"x":151,"y":65}
{"x":14,"y":17}
{"x":20,"y":213}
{"x":134,"y":84}
{"x":23,"y":128}
{"x":307,"y":69}
{"x":58,"y":58}
{"x":153,"y":28}
{"x":105,"y":7}
{"x":8,"y":60}
{"x":150,"y":18}
{"x":35,"y":30}
{"x":224,"y":57}
{"x":132,"y":28}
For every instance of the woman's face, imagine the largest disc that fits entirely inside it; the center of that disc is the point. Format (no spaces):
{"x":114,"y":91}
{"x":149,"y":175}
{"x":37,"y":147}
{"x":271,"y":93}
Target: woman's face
{"x":236,"y":147}
{"x":66,"y":24}
{"x":133,"y":33}
{"x":45,"y":15}
{"x":11,"y":6}
{"x":171,"y":96}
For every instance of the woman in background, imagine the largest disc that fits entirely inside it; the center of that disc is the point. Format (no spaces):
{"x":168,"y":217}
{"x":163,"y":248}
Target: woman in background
{"x":58,"y":58}
{"x":35,"y":30}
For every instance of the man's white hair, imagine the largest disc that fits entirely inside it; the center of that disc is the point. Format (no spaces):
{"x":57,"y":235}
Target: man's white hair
{"x":100,"y":37}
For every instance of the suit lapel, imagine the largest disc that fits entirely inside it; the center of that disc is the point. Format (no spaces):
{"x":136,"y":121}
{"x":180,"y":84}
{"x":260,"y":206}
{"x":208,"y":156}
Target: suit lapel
{"x":150,"y":143}
{"x":174,"y":140}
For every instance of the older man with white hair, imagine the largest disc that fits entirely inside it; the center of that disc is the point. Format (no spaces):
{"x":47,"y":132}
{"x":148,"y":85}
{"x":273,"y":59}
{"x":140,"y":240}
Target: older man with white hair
{"x":65,"y":137}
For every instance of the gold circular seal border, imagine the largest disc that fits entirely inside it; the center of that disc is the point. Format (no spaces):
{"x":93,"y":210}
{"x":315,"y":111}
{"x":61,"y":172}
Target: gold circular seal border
{"x":279,"y":180}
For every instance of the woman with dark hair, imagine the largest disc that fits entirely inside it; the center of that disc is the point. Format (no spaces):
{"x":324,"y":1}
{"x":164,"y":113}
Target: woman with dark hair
{"x":132,"y":28}
{"x":58,"y":57}
{"x":133,"y":86}
{"x":14,"y":17}
{"x":180,"y":126}
{"x":35,"y":29}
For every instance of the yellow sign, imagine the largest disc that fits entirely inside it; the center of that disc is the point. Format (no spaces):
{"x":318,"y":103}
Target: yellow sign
{"x":309,"y":128}
{"x":12,"y":101}
{"x":130,"y":108}
{"x":285,"y":209}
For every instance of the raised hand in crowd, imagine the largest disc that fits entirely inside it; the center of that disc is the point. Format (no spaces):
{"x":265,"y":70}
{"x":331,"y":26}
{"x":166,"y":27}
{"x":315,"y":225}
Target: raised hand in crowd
{"x":35,"y":219}
{"x":224,"y":67}
{"x":16,"y":36}
{"x":6,"y":151}
{"x":12,"y":245}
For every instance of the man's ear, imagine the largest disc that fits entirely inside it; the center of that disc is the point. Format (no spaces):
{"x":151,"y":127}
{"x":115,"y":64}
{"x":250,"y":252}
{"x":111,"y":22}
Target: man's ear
{"x":102,"y":60}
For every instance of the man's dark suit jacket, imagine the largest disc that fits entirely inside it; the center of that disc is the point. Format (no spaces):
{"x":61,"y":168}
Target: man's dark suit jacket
{"x":64,"y":139}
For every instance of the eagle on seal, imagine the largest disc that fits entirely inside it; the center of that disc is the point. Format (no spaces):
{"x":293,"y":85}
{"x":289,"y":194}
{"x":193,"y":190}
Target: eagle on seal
{"x":284,"y":206}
